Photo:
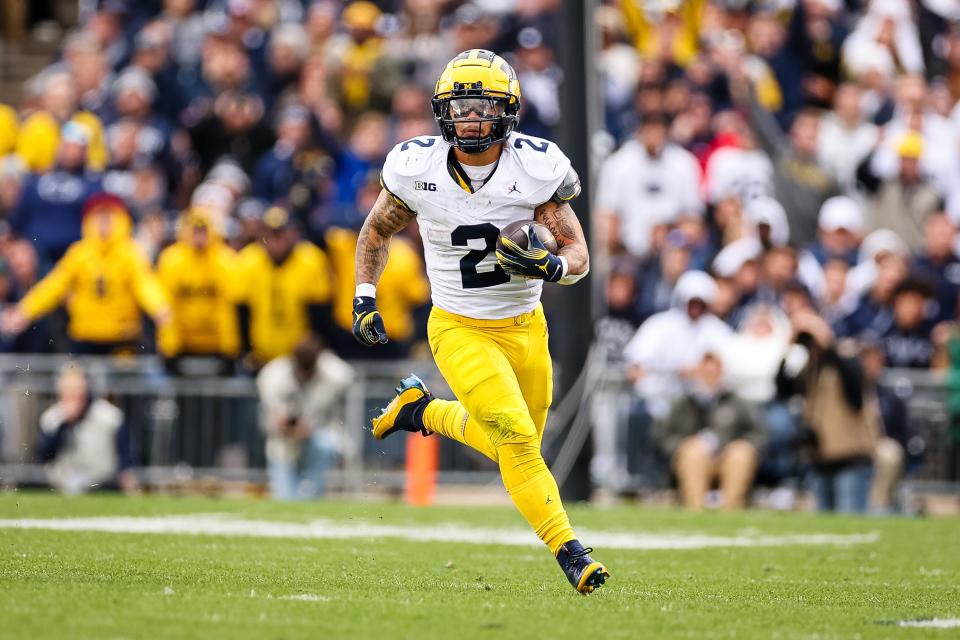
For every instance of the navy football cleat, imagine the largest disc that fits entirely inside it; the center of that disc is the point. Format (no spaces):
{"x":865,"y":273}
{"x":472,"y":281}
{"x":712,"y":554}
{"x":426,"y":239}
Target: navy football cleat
{"x":583,"y":572}
{"x":405,"y":411}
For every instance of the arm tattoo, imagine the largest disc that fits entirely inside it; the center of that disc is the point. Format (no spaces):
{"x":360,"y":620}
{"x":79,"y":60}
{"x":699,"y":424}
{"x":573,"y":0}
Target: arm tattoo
{"x":563,"y":224}
{"x":373,"y":243}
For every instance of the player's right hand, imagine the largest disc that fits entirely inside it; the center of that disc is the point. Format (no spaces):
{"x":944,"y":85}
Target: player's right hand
{"x":367,"y":322}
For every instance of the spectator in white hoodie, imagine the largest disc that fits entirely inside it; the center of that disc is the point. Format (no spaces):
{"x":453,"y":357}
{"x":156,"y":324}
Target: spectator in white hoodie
{"x":669,"y":345}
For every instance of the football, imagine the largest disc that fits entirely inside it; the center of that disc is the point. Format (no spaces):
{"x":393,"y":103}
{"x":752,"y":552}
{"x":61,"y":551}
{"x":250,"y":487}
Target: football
{"x":517,"y":231}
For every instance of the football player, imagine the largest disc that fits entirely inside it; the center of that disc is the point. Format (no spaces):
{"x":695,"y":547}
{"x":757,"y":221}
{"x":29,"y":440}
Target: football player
{"x":487,"y":330}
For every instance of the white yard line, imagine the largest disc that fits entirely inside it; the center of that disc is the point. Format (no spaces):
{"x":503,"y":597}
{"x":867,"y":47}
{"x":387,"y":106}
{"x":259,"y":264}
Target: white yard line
{"x":934,"y":623}
{"x":330,"y":529}
{"x":306,"y":597}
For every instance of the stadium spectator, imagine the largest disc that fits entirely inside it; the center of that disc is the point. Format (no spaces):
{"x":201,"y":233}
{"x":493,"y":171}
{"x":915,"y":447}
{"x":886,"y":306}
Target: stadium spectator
{"x":285,"y":291}
{"x":618,"y":62}
{"x":356,"y":62}
{"x":646,"y":183}
{"x":907,"y":341}
{"x":224,"y":67}
{"x":816,"y":35}
{"x":297,"y":171}
{"x":800,"y":184}
{"x":367,"y":148}
{"x":738,"y":265}
{"x":751,"y":359}
{"x":735,"y":166}
{"x":540,"y":77}
{"x":669,"y":345}
{"x":134,"y":94}
{"x":51,"y":204}
{"x":889,"y":459}
{"x":769,"y":220}
{"x":234,"y":127}
{"x":840,"y":228}
{"x":12,"y":175}
{"x":134,"y":173}
{"x":84,"y":440}
{"x":85,"y":61}
{"x":105,"y":281}
{"x":300,"y":394}
{"x":107,"y":26}
{"x":846,"y":138}
{"x":874,"y":253}
{"x":152,"y":56}
{"x":197,"y":273}
{"x":873,"y":311}
{"x":660,"y":273}
{"x":289,"y":46}
{"x":249,"y":218}
{"x":890,"y":24}
{"x":903,"y":203}
{"x":38,"y":141}
{"x":842,"y":421}
{"x":666,"y":31}
{"x":938,"y":263}
{"x":711,"y":434}
{"x":187,"y":25}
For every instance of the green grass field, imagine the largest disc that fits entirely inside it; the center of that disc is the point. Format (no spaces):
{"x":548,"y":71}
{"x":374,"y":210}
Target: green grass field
{"x":94,"y":584}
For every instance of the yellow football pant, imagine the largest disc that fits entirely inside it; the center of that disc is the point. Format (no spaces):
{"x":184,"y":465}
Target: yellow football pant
{"x":501,"y":373}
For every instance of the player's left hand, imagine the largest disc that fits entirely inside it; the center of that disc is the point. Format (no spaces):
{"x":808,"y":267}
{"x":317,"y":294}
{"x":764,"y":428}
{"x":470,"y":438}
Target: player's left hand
{"x":533,"y":262}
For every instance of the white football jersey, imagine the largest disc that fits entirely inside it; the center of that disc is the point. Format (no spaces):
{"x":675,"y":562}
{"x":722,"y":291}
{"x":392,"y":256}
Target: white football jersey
{"x":460,"y":229}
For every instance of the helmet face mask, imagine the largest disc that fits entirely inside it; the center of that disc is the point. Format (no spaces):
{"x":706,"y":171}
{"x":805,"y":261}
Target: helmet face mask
{"x":477,"y":87}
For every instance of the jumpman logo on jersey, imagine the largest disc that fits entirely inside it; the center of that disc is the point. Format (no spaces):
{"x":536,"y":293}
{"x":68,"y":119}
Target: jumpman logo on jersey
{"x":513,"y":188}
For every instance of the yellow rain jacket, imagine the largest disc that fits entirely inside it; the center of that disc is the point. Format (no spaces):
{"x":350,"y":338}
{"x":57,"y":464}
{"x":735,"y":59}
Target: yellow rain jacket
{"x":9,"y":128}
{"x":646,"y":35}
{"x":198,"y":284}
{"x":39,"y":139}
{"x":278,"y":296}
{"x":105,"y":282}
{"x":402,"y":287}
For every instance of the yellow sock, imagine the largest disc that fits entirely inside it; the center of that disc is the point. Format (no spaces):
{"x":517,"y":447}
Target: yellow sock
{"x":450,"y":419}
{"x":534,"y":492}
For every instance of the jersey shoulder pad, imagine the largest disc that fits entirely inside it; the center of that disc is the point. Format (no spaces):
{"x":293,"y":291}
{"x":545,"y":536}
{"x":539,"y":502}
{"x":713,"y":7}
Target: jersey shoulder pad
{"x":541,"y":159}
{"x":412,"y":157}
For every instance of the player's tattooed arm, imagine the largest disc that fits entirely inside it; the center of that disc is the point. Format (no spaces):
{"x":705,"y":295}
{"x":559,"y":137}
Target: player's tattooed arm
{"x":563,"y":224}
{"x":386,"y":218}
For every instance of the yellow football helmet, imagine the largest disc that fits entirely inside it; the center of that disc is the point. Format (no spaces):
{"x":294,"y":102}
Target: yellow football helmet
{"x":481,"y":82}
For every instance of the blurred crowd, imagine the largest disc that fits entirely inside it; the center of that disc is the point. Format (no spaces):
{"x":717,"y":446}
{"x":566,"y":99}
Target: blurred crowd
{"x":777,"y":210}
{"x":188,"y":178}
{"x":781,"y":216}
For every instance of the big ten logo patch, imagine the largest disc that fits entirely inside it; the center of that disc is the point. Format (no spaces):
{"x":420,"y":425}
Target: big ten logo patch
{"x":424,"y":186}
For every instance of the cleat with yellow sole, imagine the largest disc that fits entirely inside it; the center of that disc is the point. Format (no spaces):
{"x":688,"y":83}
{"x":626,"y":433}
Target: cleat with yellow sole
{"x":405,"y":411}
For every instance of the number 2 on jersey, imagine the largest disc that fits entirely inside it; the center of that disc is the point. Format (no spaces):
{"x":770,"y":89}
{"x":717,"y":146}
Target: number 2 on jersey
{"x":472,"y":279}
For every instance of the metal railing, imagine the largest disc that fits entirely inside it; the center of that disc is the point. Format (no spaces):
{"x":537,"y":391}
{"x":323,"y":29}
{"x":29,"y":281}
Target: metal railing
{"x":197,"y":427}
{"x":208,"y":427}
